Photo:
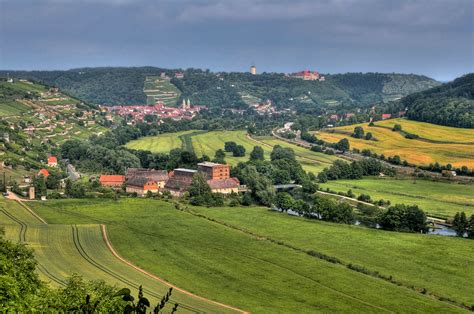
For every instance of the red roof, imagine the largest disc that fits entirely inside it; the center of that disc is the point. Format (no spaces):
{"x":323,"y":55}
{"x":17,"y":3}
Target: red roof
{"x":386,"y":116}
{"x":52,"y":160}
{"x":112,"y":178}
{"x":44,"y":172}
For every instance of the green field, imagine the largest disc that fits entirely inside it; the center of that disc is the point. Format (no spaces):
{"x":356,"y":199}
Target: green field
{"x":209,"y":142}
{"x":258,"y":274}
{"x":439,"y":199}
{"x":162,"y":143}
{"x":436,"y":144}
{"x":64,"y":249}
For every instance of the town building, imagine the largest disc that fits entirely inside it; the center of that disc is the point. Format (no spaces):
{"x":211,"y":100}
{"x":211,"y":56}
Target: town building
{"x":224,"y":186}
{"x":112,"y":181}
{"x":179,"y":75}
{"x":52,"y":161}
{"x":386,"y":116}
{"x":43,"y":172}
{"x":179,"y":181}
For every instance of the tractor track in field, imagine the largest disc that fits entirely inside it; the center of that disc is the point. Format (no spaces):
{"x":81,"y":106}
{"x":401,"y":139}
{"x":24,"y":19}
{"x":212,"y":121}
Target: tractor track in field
{"x":22,"y":239}
{"x":119,"y":277}
{"x":90,"y":260}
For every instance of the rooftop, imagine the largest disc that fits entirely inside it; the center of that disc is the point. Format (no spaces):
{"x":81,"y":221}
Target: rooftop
{"x":185,"y":170}
{"x":209,"y":164}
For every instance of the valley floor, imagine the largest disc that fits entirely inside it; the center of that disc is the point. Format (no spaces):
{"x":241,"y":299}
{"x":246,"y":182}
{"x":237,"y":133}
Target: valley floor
{"x":263,"y":261}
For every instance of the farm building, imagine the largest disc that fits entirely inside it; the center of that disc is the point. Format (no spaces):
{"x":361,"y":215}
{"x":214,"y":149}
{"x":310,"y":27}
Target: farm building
{"x":142,"y":185}
{"x":159,"y":176}
{"x":224,"y":186}
{"x":212,"y":170}
{"x":179,"y":181}
{"x":112,"y":181}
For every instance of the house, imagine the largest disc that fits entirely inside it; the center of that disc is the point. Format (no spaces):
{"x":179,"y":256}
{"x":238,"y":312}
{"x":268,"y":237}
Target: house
{"x":112,"y":181}
{"x":334,"y":117}
{"x":179,"y":181}
{"x":179,"y":75}
{"x":386,"y":116}
{"x":448,"y":173}
{"x":52,"y":161}
{"x":158,"y":176}
{"x":43,"y":172}
{"x":141,"y":186}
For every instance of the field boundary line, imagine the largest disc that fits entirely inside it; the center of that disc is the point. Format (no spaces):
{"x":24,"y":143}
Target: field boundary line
{"x":31,"y":211}
{"x":112,"y":250}
{"x":336,"y":260}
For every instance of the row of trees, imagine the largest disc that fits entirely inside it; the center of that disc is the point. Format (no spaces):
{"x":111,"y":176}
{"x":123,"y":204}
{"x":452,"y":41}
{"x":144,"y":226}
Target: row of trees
{"x":463,"y":226}
{"x":355,"y":170}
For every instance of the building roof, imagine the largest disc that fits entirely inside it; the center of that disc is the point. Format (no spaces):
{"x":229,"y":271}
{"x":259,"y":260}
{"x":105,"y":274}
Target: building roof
{"x":43,"y":172}
{"x":152,"y":174}
{"x":185,"y":170}
{"x":112,"y":178}
{"x":139,"y":181}
{"x":52,"y":159}
{"x":209,"y":164}
{"x":223,"y":183}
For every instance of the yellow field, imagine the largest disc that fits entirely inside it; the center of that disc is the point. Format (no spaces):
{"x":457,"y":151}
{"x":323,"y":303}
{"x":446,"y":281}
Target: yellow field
{"x":417,"y":151}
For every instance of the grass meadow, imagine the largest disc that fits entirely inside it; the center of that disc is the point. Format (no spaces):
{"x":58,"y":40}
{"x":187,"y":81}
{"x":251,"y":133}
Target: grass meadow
{"x":418,"y":151}
{"x":439,"y":199}
{"x":253,"y":272}
{"x":209,"y":142}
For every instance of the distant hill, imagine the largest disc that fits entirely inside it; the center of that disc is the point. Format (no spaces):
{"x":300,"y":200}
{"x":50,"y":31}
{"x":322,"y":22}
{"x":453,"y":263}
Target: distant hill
{"x":449,"y":104}
{"x":113,"y":85}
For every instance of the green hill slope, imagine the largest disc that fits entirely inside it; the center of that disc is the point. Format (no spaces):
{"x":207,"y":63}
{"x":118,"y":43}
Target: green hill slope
{"x":236,"y":90}
{"x":449,"y":104}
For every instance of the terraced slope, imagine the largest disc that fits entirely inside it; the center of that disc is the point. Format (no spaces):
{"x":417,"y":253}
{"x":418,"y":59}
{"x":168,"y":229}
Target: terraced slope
{"x":62,"y":250}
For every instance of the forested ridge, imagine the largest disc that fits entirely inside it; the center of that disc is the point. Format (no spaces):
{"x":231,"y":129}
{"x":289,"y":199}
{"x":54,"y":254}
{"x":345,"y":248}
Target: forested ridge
{"x":116,"y":85}
{"x":448,"y":104}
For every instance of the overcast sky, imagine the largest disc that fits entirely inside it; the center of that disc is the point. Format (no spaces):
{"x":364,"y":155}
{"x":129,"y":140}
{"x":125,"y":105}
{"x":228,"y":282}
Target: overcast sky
{"x":430,"y":37}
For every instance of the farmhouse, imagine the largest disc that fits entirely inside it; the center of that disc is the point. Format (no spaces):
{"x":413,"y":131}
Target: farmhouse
{"x":224,"y":186}
{"x":386,"y":116}
{"x":179,"y":181}
{"x":112,"y":181}
{"x":158,"y":176}
{"x":141,"y":186}
{"x":52,"y":161}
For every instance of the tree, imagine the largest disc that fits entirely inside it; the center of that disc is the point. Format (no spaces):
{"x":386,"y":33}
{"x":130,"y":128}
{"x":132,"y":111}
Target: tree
{"x":470,"y":231}
{"x":403,"y":218}
{"x":397,"y":128}
{"x":368,"y":136}
{"x":199,"y":186}
{"x":230,"y":146}
{"x":460,"y":223}
{"x":343,"y":145}
{"x":257,"y":154}
{"x":358,"y":132}
{"x":284,"y":201}
{"x":239,"y":151}
{"x":39,"y":183}
{"x":219,"y":157}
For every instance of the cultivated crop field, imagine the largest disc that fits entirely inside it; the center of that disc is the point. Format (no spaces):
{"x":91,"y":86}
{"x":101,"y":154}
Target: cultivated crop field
{"x":439,"y":199}
{"x":436,"y":143}
{"x":64,"y":249}
{"x":209,"y":142}
{"x":252,"y":272}
{"x":159,"y":89}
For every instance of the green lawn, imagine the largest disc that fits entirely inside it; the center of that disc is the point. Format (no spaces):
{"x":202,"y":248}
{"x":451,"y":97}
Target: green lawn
{"x":436,"y":198}
{"x":162,"y":143}
{"x":258,"y":275}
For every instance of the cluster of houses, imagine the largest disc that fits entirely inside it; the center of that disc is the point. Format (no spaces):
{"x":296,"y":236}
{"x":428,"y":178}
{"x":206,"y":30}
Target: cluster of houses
{"x":142,"y":181}
{"x":137,"y":113}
